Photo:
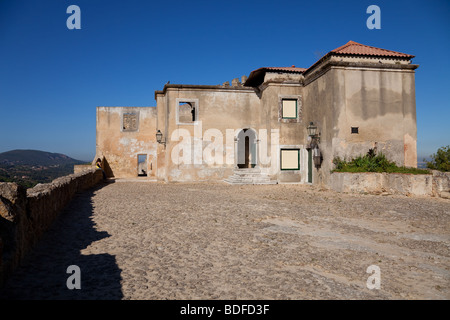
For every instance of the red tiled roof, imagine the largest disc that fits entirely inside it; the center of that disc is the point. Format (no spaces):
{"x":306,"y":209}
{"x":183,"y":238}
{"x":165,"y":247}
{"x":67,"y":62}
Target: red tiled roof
{"x":256,"y":77}
{"x":354,"y":48}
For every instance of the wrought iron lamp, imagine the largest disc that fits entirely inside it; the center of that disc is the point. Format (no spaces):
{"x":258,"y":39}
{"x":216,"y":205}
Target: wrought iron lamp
{"x":312,"y":129}
{"x":159,"y":137}
{"x":314,"y":138}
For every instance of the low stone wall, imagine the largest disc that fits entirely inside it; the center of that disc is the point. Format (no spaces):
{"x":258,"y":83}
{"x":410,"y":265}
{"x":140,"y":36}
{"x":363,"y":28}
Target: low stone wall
{"x":82,"y":167}
{"x":434,"y":184}
{"x":441,"y":184}
{"x":26,"y":214}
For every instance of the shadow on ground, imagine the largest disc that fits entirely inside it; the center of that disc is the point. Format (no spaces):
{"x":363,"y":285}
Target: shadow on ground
{"x":43,"y":274}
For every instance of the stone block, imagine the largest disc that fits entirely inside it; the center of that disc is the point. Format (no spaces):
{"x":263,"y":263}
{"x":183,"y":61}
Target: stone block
{"x":441,"y":182}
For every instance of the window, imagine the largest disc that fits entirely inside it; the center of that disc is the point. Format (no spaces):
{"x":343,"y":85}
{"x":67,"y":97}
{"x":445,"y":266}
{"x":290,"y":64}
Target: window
{"x":355,"y":130}
{"x":289,"y":109}
{"x":290,"y":159}
{"x":187,"y":111}
{"x":130,"y":121}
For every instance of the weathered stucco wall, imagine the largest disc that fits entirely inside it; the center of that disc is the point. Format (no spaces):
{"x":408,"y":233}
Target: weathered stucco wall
{"x":120,"y":146}
{"x":377,"y":99}
{"x":26,"y":214}
{"x":322,"y":107}
{"x":290,"y":133}
{"x":380,"y":103}
{"x":221,"y":113}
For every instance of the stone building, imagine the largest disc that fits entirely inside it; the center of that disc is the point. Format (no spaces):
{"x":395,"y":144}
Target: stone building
{"x":278,"y":125}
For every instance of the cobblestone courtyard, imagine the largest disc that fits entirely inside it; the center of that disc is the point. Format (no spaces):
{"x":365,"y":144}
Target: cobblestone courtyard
{"x":140,"y":240}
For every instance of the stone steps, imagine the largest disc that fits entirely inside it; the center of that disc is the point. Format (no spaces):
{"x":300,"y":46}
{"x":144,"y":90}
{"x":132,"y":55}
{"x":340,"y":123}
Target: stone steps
{"x":249,"y":176}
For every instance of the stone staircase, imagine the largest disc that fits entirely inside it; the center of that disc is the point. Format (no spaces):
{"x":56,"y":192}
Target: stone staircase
{"x":249,"y":176}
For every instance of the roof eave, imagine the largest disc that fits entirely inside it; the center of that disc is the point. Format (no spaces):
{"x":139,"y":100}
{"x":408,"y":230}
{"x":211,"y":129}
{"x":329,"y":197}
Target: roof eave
{"x":256,"y":77}
{"x":329,"y":54}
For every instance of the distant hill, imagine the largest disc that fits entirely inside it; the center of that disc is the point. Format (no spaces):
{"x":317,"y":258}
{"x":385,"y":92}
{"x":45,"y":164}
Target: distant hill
{"x":30,"y":167}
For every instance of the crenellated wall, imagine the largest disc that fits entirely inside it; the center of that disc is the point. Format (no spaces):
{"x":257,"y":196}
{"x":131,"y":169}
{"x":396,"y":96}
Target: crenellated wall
{"x":26,"y":214}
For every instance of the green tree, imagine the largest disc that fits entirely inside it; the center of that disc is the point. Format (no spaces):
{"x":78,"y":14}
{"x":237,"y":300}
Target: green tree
{"x":440,"y":160}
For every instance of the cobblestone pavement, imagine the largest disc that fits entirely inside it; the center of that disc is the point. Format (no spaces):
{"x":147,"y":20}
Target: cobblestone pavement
{"x":137,"y":240}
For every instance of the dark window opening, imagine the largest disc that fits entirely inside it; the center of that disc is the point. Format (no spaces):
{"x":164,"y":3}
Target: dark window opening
{"x":355,"y":130}
{"x":187,"y":112}
{"x":246,"y":157}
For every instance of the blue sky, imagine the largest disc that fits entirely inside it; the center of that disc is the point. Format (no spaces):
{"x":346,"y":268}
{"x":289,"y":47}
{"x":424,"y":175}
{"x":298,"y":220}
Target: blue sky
{"x":52,"y":78}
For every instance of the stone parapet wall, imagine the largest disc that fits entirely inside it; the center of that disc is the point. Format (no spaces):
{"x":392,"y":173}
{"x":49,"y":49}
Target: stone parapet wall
{"x":26,"y":214}
{"x":441,"y":184}
{"x":434,"y":184}
{"x":82,"y":167}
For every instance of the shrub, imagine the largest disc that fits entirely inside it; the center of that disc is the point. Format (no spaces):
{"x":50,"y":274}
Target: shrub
{"x":339,"y":163}
{"x":440,"y":160}
{"x":372,"y":162}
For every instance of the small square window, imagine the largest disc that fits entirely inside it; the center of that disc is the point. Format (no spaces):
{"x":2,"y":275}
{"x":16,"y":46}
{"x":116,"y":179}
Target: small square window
{"x":187,"y":111}
{"x":355,"y":130}
{"x":130,"y":121}
{"x":289,"y":109}
{"x":290,"y":159}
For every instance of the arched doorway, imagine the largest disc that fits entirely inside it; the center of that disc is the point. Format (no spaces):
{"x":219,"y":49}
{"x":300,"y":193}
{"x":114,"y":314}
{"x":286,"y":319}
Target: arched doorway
{"x":246,"y":149}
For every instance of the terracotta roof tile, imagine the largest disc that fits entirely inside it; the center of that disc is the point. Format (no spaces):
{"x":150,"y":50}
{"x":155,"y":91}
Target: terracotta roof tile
{"x":354,"y":48}
{"x":256,"y":77}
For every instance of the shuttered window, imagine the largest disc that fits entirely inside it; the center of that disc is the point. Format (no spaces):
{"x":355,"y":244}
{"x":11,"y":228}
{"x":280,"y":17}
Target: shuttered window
{"x":290,"y":159}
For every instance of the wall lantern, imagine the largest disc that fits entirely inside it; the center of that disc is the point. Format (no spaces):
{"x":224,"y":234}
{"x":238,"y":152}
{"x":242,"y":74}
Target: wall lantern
{"x":312,"y":129}
{"x":313,"y":135}
{"x":314,"y":138}
{"x":159,"y":136}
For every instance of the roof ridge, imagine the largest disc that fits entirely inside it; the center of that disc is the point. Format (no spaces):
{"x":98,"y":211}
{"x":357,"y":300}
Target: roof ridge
{"x":351,"y":42}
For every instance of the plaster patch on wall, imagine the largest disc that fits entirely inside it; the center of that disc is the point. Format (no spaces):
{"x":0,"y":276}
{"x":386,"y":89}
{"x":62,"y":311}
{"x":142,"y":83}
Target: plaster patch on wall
{"x":410,"y":149}
{"x":138,"y":146}
{"x":124,"y":141}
